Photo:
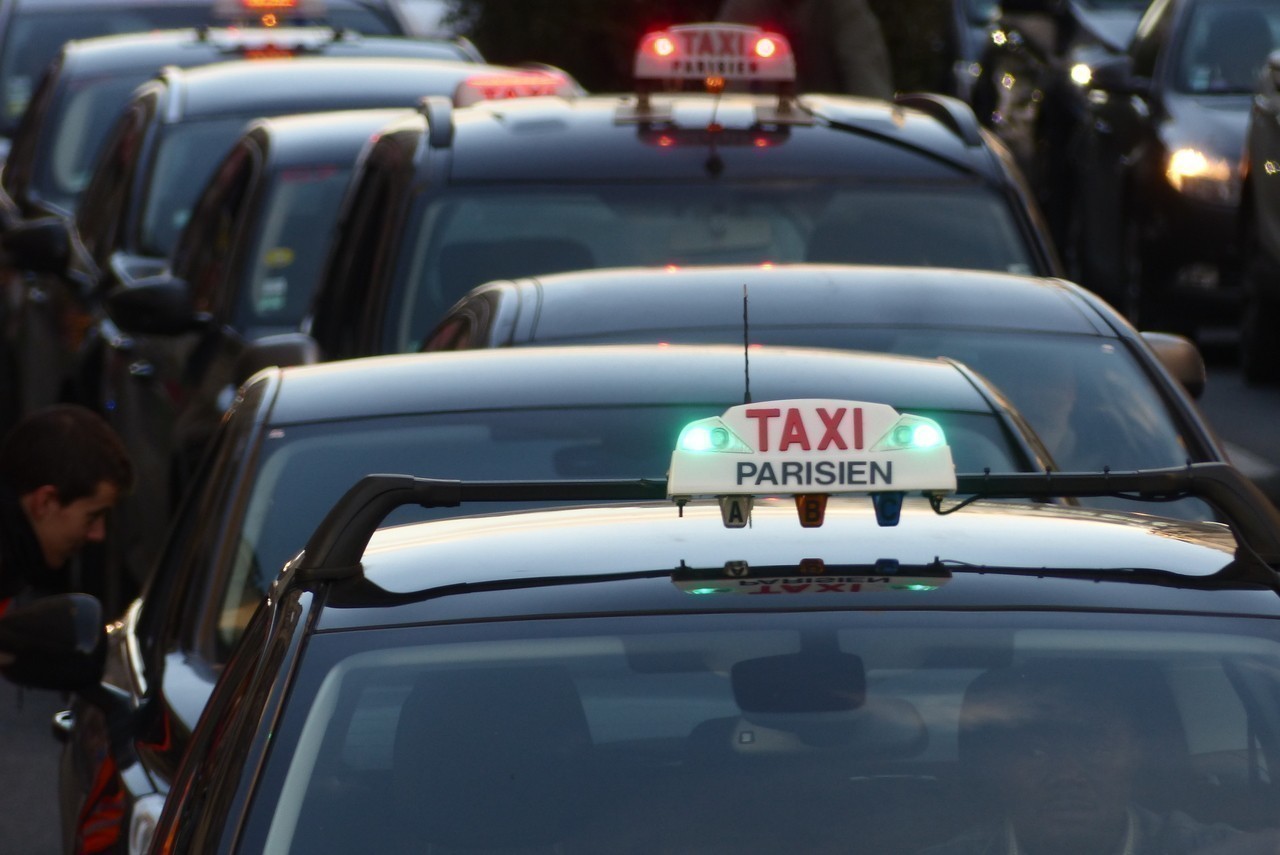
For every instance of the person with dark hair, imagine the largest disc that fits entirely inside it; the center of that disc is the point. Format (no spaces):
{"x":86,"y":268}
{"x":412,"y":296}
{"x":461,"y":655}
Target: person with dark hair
{"x":1057,"y":751}
{"x":838,"y":44}
{"x":62,"y":469}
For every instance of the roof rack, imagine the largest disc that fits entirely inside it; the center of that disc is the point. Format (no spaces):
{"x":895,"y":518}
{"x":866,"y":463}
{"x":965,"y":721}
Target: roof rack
{"x":335,"y":549}
{"x":952,"y":112}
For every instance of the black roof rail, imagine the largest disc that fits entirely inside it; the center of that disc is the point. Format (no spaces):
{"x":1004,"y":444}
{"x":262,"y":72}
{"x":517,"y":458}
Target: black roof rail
{"x":338,"y":543}
{"x":952,"y":112}
{"x":438,"y":111}
{"x":336,"y":547}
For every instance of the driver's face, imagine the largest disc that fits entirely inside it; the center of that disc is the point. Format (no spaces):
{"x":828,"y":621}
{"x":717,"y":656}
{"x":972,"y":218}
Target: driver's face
{"x":1065,"y":782}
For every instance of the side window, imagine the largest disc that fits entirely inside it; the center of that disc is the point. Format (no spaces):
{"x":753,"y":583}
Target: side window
{"x":98,"y":219}
{"x":204,"y":250}
{"x":16,"y":176}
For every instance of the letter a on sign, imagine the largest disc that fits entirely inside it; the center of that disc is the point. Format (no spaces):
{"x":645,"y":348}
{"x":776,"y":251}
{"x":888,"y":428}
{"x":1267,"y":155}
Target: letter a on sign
{"x":735,"y":511}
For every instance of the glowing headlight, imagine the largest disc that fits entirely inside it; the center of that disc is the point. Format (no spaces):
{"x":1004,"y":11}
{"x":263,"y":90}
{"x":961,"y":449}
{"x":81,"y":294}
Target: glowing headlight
{"x":1081,"y":74}
{"x":1206,"y":177}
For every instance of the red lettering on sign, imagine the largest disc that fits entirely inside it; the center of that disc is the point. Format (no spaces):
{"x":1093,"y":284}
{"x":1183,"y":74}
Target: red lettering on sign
{"x":731,"y":43}
{"x":793,"y":432}
{"x":857,"y":428}
{"x":762,"y":416}
{"x":705,"y":44}
{"x":831,"y":427}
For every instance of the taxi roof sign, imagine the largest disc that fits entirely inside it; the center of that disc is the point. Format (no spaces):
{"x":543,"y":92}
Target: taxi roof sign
{"x":810,"y":446}
{"x":516,"y":83}
{"x":724,"y":51}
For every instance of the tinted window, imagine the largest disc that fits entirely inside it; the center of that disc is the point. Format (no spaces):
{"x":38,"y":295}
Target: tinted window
{"x":35,"y":35}
{"x":852,"y":732}
{"x":1224,"y":45}
{"x":471,"y":238}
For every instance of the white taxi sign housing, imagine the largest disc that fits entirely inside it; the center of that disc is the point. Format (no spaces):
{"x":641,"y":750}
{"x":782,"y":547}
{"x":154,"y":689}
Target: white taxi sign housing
{"x":810,"y":446}
{"x":726,"y":51}
{"x":517,"y":83}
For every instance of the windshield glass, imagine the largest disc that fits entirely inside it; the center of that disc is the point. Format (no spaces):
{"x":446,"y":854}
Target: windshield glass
{"x":302,"y":470}
{"x":1224,"y":45}
{"x":472,"y":238}
{"x":186,"y":156}
{"x":297,"y":217}
{"x":34,"y":37}
{"x":874,"y":733}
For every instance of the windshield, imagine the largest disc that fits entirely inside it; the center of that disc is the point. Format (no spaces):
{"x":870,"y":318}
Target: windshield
{"x":1224,"y":45}
{"x":472,"y":238}
{"x":186,"y":156}
{"x":303,"y":470}
{"x":34,"y":37}
{"x":871,"y":733}
{"x":297,"y":217}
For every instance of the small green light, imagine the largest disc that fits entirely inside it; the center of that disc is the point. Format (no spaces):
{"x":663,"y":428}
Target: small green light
{"x":926,"y":436}
{"x":709,"y":591}
{"x":697,"y":439}
{"x":915,"y":587}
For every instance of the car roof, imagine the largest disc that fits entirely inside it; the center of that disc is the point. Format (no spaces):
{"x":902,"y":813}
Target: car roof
{"x":559,"y":139}
{"x":129,"y":52}
{"x":610,"y":375}
{"x":625,"y":554}
{"x":237,"y":87}
{"x":579,"y":304}
{"x":304,"y":137}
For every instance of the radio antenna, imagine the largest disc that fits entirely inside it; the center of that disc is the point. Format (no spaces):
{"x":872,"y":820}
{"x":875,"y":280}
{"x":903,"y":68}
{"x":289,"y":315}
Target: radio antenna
{"x":746,"y":350}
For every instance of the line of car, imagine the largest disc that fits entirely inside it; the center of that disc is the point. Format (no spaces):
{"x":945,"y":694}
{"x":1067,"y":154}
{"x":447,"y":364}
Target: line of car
{"x":716,"y":236}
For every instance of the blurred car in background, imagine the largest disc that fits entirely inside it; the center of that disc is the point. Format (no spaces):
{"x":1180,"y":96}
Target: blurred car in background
{"x":1097,"y":392}
{"x":297,"y":438}
{"x":1161,"y":162}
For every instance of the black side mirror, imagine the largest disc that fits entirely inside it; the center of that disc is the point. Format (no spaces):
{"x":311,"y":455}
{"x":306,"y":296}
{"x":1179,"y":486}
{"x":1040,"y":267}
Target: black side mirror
{"x":1181,"y":358}
{"x":276,"y":350}
{"x":1115,"y":76}
{"x":157,"y":305}
{"x":56,"y":642}
{"x":42,"y":245}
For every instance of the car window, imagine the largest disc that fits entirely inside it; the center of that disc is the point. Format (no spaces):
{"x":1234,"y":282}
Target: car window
{"x":101,"y":212}
{"x":1223,"y":46}
{"x":468,"y":238}
{"x":34,"y":37}
{"x":304,"y":469}
{"x":894,"y":732}
{"x":186,"y":155}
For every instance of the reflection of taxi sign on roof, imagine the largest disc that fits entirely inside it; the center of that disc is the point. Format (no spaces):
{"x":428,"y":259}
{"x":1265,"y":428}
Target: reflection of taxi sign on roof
{"x":522,"y":83}
{"x":811,"y":576}
{"x":810,"y":448}
{"x":725,"y":51}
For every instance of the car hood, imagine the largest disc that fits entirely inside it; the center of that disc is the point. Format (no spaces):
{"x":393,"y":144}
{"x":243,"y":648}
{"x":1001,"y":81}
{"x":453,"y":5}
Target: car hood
{"x":1215,"y":124}
{"x":1112,"y":27}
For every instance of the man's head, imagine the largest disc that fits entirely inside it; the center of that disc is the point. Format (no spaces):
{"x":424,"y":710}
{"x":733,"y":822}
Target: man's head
{"x":68,"y":468}
{"x":1057,"y":753}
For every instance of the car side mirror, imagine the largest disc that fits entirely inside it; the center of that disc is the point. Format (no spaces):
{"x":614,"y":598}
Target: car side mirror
{"x":1115,"y":76}
{"x":156,"y":305}
{"x":42,"y":245}
{"x":276,"y":351}
{"x":56,"y":642}
{"x":1181,"y":358}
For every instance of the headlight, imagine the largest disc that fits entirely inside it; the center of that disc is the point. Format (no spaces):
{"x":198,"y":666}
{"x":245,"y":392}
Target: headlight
{"x":1202,"y":176}
{"x":1081,"y":74}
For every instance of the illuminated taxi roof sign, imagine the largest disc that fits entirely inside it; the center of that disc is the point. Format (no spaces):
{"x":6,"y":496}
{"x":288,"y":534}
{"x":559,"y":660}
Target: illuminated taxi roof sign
{"x":810,"y":446}
{"x":517,"y":83}
{"x":724,"y":51}
{"x":269,"y":12}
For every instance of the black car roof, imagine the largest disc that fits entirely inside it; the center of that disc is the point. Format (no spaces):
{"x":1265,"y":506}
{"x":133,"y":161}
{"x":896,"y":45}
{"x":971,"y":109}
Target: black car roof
{"x":577,"y":305}
{"x":185,"y":47}
{"x":610,"y":375}
{"x":581,"y":139}
{"x":234,"y":88}
{"x":619,"y":558}
{"x":307,"y":137}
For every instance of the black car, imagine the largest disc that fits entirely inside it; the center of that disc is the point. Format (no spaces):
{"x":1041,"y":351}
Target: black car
{"x":450,"y":199}
{"x":825,"y":675}
{"x":1095,"y":390}
{"x":33,"y":31}
{"x":1260,"y":233}
{"x":1160,"y":162}
{"x":297,"y":438}
{"x":57,"y":143}
{"x":1031,"y":87}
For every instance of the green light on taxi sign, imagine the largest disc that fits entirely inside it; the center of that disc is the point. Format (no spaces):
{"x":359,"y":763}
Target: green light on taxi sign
{"x":710,"y":435}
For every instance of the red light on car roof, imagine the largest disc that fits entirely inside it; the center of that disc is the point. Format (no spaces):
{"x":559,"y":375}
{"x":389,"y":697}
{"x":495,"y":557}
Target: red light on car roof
{"x":663,"y":46}
{"x":267,"y":52}
{"x":512,"y":84}
{"x":766,"y":47}
{"x":263,"y":5}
